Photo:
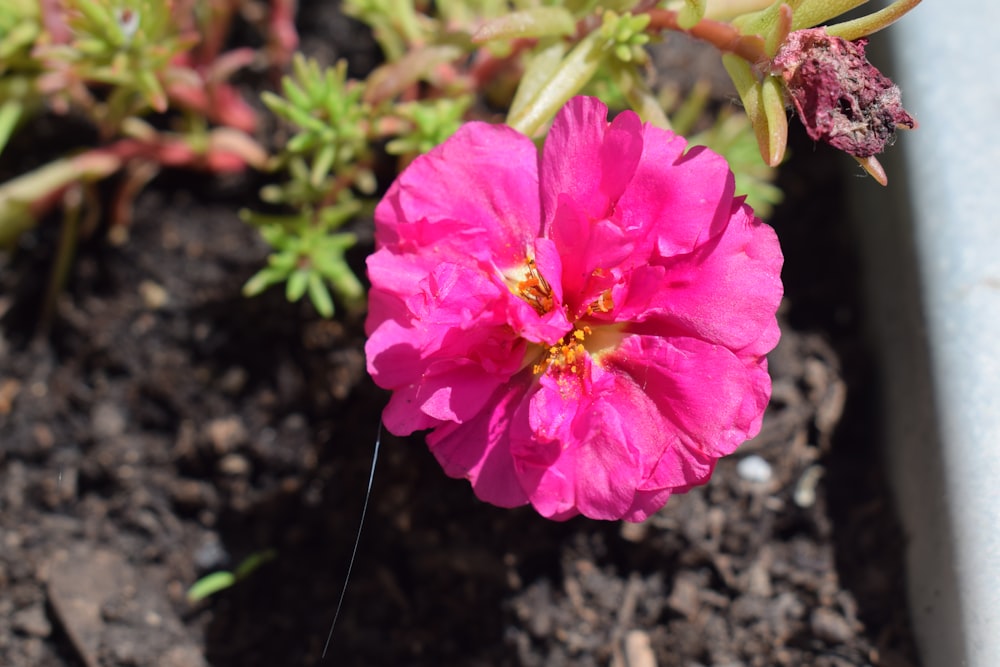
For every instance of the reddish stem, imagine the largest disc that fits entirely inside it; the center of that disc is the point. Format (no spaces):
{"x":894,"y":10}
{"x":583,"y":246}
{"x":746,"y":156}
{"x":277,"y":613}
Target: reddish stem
{"x":722,"y":36}
{"x":485,"y":66}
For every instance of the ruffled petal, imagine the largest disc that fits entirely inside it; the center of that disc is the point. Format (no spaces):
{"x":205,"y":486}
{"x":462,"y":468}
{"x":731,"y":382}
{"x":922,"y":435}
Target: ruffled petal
{"x":646,"y":504}
{"x":587,"y":165}
{"x":448,"y":391}
{"x":479,"y":449}
{"x":443,"y":350}
{"x":475,"y":195}
{"x":676,"y":199}
{"x":714,"y":400}
{"x":591,"y":249}
{"x":590,"y":445}
{"x":725,"y":292}
{"x":678,"y":471}
{"x":453,"y":308}
{"x":588,"y":160}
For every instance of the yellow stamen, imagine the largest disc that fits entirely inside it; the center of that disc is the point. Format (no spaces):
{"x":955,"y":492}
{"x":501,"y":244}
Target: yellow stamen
{"x":535,"y":290}
{"x":566,"y":353}
{"x":604,"y":304}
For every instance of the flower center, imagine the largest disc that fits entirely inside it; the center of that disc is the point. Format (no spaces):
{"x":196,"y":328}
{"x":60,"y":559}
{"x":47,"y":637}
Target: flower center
{"x":569,"y":353}
{"x":535,"y":290}
{"x":565,"y":354}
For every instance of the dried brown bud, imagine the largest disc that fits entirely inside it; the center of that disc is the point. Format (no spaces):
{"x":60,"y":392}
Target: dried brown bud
{"x":841,"y":98}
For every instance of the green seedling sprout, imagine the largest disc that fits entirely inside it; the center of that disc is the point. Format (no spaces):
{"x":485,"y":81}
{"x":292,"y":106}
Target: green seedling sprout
{"x":308,"y":256}
{"x":219,"y":581}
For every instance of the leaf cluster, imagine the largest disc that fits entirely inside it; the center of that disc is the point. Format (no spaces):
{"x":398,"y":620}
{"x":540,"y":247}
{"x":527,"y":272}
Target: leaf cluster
{"x":115,"y":63}
{"x":322,"y":160}
{"x":126,"y":47}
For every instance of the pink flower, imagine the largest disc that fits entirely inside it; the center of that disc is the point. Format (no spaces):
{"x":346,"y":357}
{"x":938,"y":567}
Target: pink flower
{"x":584,"y":332}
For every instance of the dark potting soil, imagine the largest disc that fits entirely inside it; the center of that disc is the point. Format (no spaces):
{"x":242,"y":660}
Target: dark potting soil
{"x":165,"y":428}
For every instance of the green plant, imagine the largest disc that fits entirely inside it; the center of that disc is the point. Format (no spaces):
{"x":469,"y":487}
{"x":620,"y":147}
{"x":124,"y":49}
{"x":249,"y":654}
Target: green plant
{"x":219,"y":581}
{"x":114,"y":63}
{"x":445,"y":63}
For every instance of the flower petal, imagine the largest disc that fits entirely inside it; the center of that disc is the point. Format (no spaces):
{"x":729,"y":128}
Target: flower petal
{"x":590,"y":248}
{"x":442,"y":349}
{"x":590,"y":445}
{"x":453,"y":308}
{"x":680,"y":198}
{"x":646,"y":504}
{"x":588,"y":160}
{"x":725,"y":292}
{"x":714,"y":399}
{"x":476,"y":192}
{"x":448,"y":391}
{"x":479,"y":449}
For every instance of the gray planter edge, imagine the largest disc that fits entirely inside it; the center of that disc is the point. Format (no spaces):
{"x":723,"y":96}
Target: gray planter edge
{"x":931,"y":259}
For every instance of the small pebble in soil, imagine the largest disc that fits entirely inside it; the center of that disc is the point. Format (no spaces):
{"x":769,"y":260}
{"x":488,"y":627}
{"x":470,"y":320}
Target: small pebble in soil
{"x":234,"y":464}
{"x":634,"y":532}
{"x":639,"y":650}
{"x":805,"y":490}
{"x":830,"y":626}
{"x":9,"y":389}
{"x":225,"y":433}
{"x":234,"y":380}
{"x":210,"y":553}
{"x":32,"y":622}
{"x":684,"y":596}
{"x":108,"y":420}
{"x":154,"y":296}
{"x":753,"y":468}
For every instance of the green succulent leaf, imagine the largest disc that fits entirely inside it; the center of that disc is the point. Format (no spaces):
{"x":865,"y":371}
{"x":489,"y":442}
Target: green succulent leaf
{"x":566,"y":79}
{"x":691,"y":13}
{"x":260,"y":281}
{"x":298,"y":281}
{"x":808,"y":13}
{"x":10,"y":114}
{"x":320,"y":296}
{"x":535,"y":22}
{"x":764,"y":105}
{"x":210,"y":585}
{"x":866,"y":25}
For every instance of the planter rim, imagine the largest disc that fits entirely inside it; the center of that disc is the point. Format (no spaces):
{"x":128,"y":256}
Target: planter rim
{"x":942,"y":352}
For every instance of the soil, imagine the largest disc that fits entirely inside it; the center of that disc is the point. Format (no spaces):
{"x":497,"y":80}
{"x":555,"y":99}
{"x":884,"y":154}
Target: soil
{"x":165,"y":427}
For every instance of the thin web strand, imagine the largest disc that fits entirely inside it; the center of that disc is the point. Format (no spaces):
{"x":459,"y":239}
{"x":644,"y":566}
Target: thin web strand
{"x":357,"y":540}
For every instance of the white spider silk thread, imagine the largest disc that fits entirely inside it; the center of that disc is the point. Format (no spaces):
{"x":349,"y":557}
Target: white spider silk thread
{"x":357,"y":540}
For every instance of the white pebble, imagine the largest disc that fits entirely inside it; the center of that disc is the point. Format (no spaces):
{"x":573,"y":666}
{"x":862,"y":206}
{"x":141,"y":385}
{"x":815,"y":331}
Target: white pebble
{"x":754,"y":469}
{"x":639,"y":650}
{"x":805,"y":489}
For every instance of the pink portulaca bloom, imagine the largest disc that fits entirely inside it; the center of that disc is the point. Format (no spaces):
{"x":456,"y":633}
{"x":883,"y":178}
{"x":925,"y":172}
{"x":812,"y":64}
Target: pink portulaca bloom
{"x":585,"y":332}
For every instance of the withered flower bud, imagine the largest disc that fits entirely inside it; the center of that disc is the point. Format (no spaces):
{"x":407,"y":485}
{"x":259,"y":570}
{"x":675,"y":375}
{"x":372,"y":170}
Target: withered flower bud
{"x":841,"y":98}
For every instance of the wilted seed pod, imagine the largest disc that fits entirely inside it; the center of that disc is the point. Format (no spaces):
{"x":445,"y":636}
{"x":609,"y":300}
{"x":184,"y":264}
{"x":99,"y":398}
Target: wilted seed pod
{"x":840,"y":97}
